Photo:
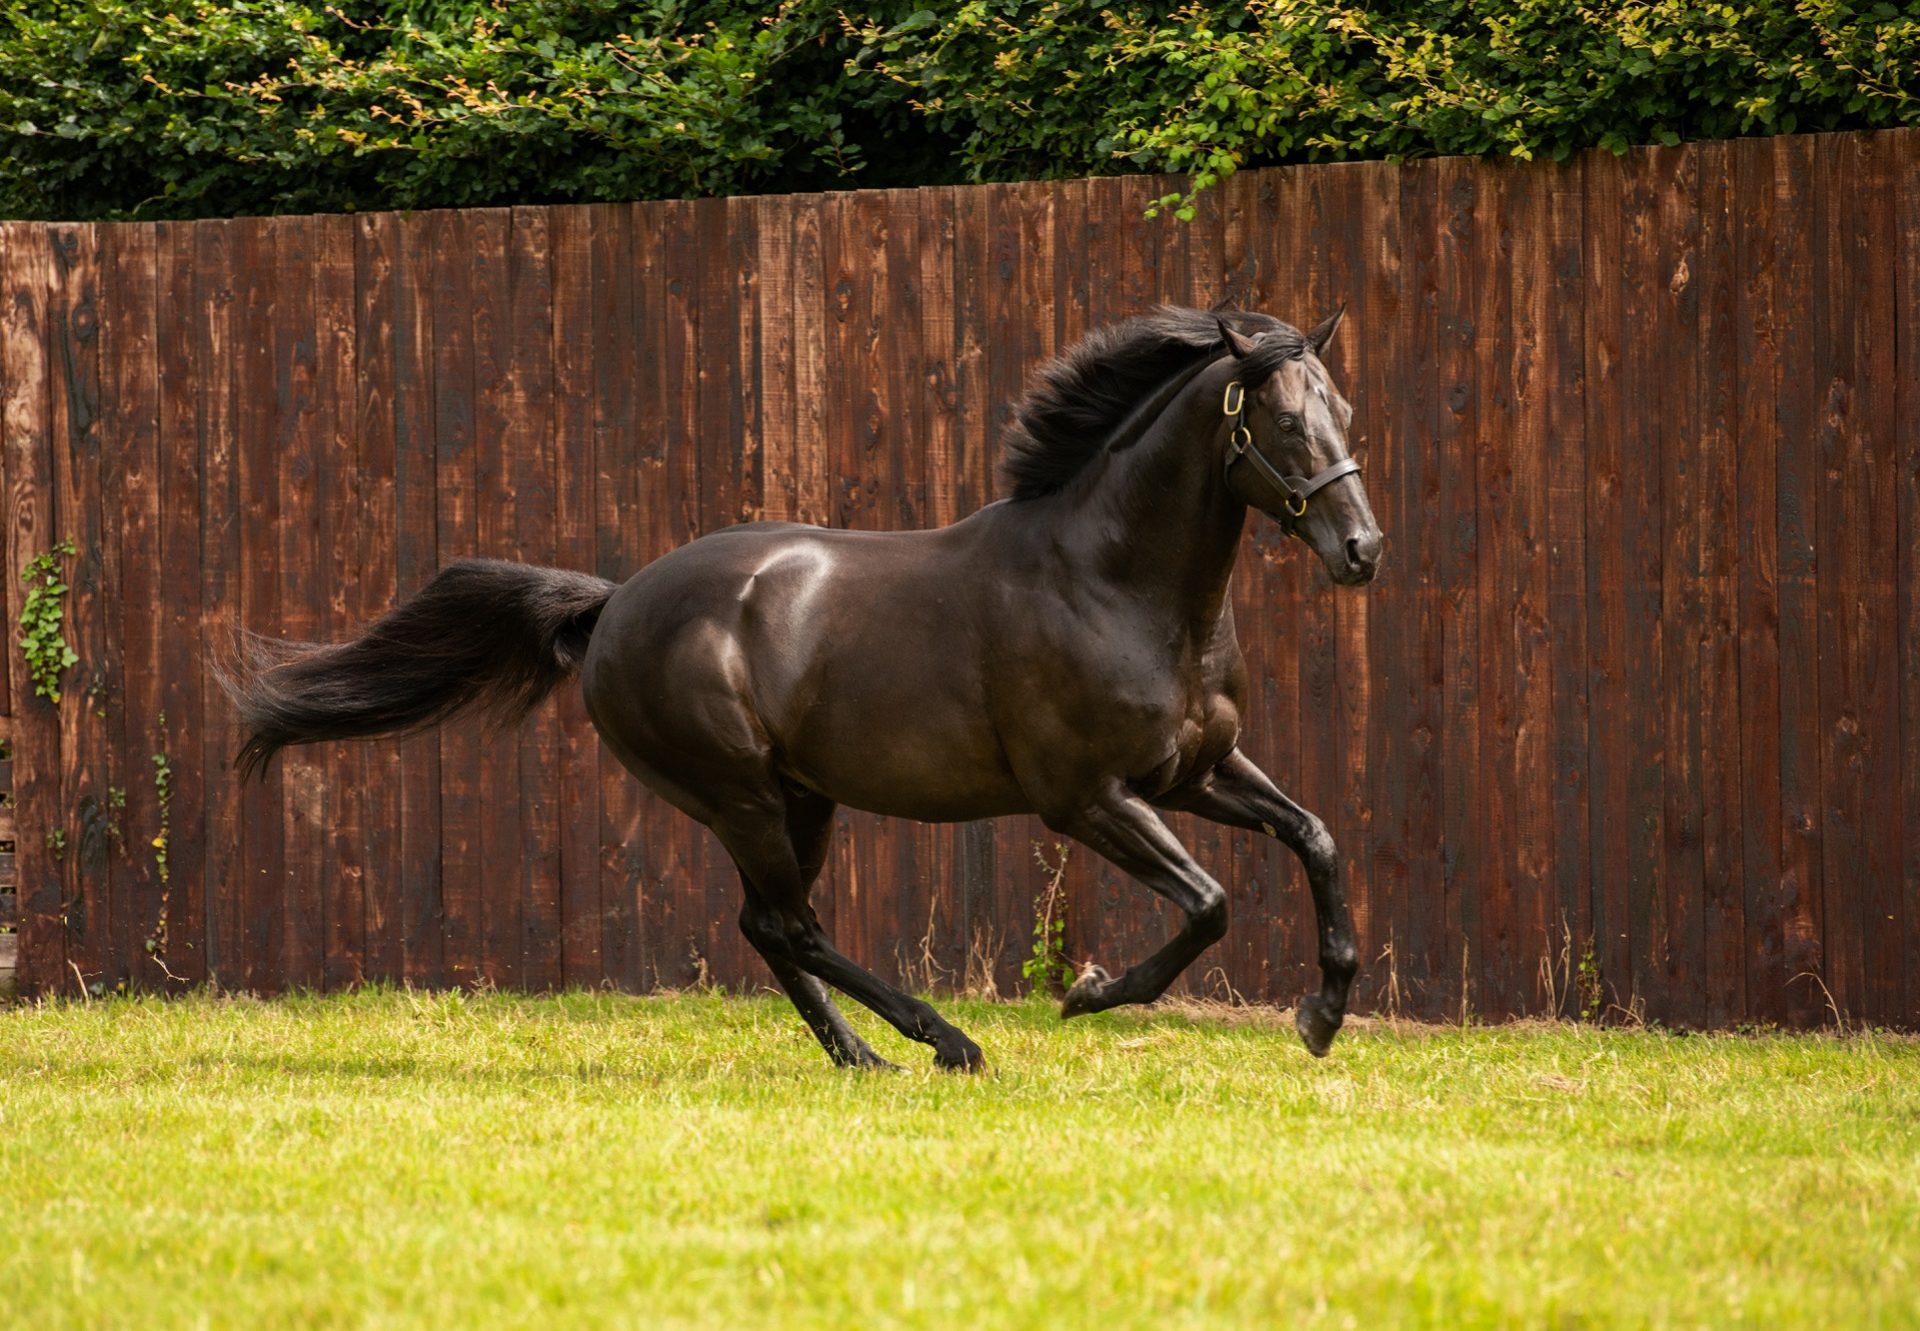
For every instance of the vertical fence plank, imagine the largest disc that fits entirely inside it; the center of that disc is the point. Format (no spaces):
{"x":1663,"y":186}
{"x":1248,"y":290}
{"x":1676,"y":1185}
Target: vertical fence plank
{"x":575,"y":506}
{"x":223,"y":590}
{"x":1856,"y":526}
{"x":467,"y":252}
{"x":1766,"y":903}
{"x":1524,"y":619}
{"x":130,"y":503}
{"x":417,"y":558}
{"x":1905,"y":172}
{"x":338,"y":506}
{"x":73,"y":327}
{"x":1876,"y":337}
{"x":257,"y":309}
{"x":1458,"y":428}
{"x":496,"y":414}
{"x":1501,"y":569}
{"x":1605,"y":615}
{"x":1643,"y":373}
{"x":1796,"y":516}
{"x":1671,"y":382}
{"x":376,"y":590}
{"x":676,"y":851}
{"x":32,"y":528}
{"x":1415,"y":967}
{"x":625,"y":298}
{"x":529,"y":450}
{"x":1565,"y":425}
{"x":178,"y":658}
{"x":1716,"y":542}
{"x":305,"y":808}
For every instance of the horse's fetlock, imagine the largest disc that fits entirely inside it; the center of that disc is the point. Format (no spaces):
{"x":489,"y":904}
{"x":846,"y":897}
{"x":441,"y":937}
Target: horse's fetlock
{"x":1341,"y":958}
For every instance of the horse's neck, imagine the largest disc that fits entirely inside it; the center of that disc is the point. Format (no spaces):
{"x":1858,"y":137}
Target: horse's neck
{"x":1159,"y":520}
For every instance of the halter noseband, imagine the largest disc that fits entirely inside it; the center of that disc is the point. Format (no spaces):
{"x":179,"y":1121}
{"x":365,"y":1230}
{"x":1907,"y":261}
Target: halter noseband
{"x":1294,"y":489}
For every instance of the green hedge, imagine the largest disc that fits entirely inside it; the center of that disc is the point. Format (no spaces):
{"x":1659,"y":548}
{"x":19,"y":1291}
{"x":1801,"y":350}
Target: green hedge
{"x":131,"y":108}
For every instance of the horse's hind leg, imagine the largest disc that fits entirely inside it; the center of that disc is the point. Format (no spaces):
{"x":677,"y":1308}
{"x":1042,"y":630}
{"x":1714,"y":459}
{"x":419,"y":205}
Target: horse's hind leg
{"x":807,"y":829}
{"x":779,"y":922}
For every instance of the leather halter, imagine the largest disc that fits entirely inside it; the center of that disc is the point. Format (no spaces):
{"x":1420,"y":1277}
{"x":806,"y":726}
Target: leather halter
{"x":1294,"y":489}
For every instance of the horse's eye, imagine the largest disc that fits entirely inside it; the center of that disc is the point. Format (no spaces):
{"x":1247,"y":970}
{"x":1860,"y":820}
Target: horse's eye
{"x":1289,"y":422}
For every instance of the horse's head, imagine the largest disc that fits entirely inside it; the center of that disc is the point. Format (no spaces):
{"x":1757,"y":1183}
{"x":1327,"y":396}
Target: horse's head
{"x":1287,"y":447}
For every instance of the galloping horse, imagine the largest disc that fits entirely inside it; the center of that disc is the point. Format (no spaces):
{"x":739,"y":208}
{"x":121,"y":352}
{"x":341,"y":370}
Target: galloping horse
{"x":1067,"y":651}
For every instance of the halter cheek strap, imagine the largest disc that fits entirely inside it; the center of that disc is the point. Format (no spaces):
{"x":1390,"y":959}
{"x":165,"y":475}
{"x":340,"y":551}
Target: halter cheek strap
{"x":1294,"y":490}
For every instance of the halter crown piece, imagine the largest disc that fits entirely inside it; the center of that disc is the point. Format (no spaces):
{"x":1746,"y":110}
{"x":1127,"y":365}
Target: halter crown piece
{"x":1293,"y":489}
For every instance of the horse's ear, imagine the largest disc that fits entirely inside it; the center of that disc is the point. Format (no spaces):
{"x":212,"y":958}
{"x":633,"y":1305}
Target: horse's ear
{"x":1237,"y":343}
{"x":1322,"y":333}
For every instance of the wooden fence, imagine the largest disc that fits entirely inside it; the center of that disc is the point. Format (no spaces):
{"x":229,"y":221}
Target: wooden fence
{"x":1630,"y":720}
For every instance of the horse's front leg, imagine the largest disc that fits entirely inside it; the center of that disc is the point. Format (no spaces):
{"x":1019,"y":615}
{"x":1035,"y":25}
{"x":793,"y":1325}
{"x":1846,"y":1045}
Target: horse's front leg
{"x":1124,"y":828}
{"x":1239,"y":794}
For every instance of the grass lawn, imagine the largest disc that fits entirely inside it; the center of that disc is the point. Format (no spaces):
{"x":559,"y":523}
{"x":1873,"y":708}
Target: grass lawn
{"x":387,"y":1158}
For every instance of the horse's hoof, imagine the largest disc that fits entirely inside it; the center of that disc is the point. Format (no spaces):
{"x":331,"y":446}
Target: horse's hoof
{"x":959,"y":1055}
{"x":1316,"y":1024}
{"x":1088,"y":993}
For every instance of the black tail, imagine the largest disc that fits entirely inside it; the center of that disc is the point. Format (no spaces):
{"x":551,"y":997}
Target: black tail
{"x":483,"y":633}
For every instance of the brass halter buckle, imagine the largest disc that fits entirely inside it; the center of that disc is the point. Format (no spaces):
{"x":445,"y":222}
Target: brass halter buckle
{"x":1234,"y":400}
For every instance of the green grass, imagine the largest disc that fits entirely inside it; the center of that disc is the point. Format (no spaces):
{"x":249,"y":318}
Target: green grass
{"x":395,"y":1159}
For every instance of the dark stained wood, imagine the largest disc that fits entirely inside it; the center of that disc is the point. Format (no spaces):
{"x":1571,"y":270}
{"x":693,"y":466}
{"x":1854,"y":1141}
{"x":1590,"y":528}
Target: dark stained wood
{"x":336,"y":526}
{"x":372,"y":541}
{"x":1605,"y":614}
{"x":1505,"y":261}
{"x":1856,"y":526}
{"x":1645,"y":373}
{"x":257,"y":309}
{"x":177,"y":654}
{"x":1722,"y":978}
{"x":73,"y":327}
{"x":1457,"y":423}
{"x":573,"y":479}
{"x":1563,"y":371}
{"x":214,"y":251}
{"x":1529,"y":932}
{"x":667,"y":860}
{"x":416,"y":559}
{"x":305,"y":813}
{"x":1796,"y":491}
{"x":1675,"y":281}
{"x":531,"y":499}
{"x":1766,"y":900}
{"x":1904,"y":149}
{"x":498,"y":413}
{"x":27,"y":438}
{"x":627,"y":294}
{"x":134,"y":567}
{"x":467,"y":251}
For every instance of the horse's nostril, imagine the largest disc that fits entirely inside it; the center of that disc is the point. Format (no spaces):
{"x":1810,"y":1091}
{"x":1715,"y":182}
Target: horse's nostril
{"x":1353,"y":552}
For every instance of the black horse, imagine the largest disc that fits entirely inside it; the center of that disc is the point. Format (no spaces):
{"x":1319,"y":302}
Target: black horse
{"x":1068,"y":651}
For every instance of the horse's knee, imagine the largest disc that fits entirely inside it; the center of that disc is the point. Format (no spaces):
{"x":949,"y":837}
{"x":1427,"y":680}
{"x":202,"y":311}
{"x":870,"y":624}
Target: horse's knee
{"x":1209,"y":919}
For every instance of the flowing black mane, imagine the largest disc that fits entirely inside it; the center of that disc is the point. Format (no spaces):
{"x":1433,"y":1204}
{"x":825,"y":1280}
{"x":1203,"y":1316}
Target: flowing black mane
{"x":1077,"y":400}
